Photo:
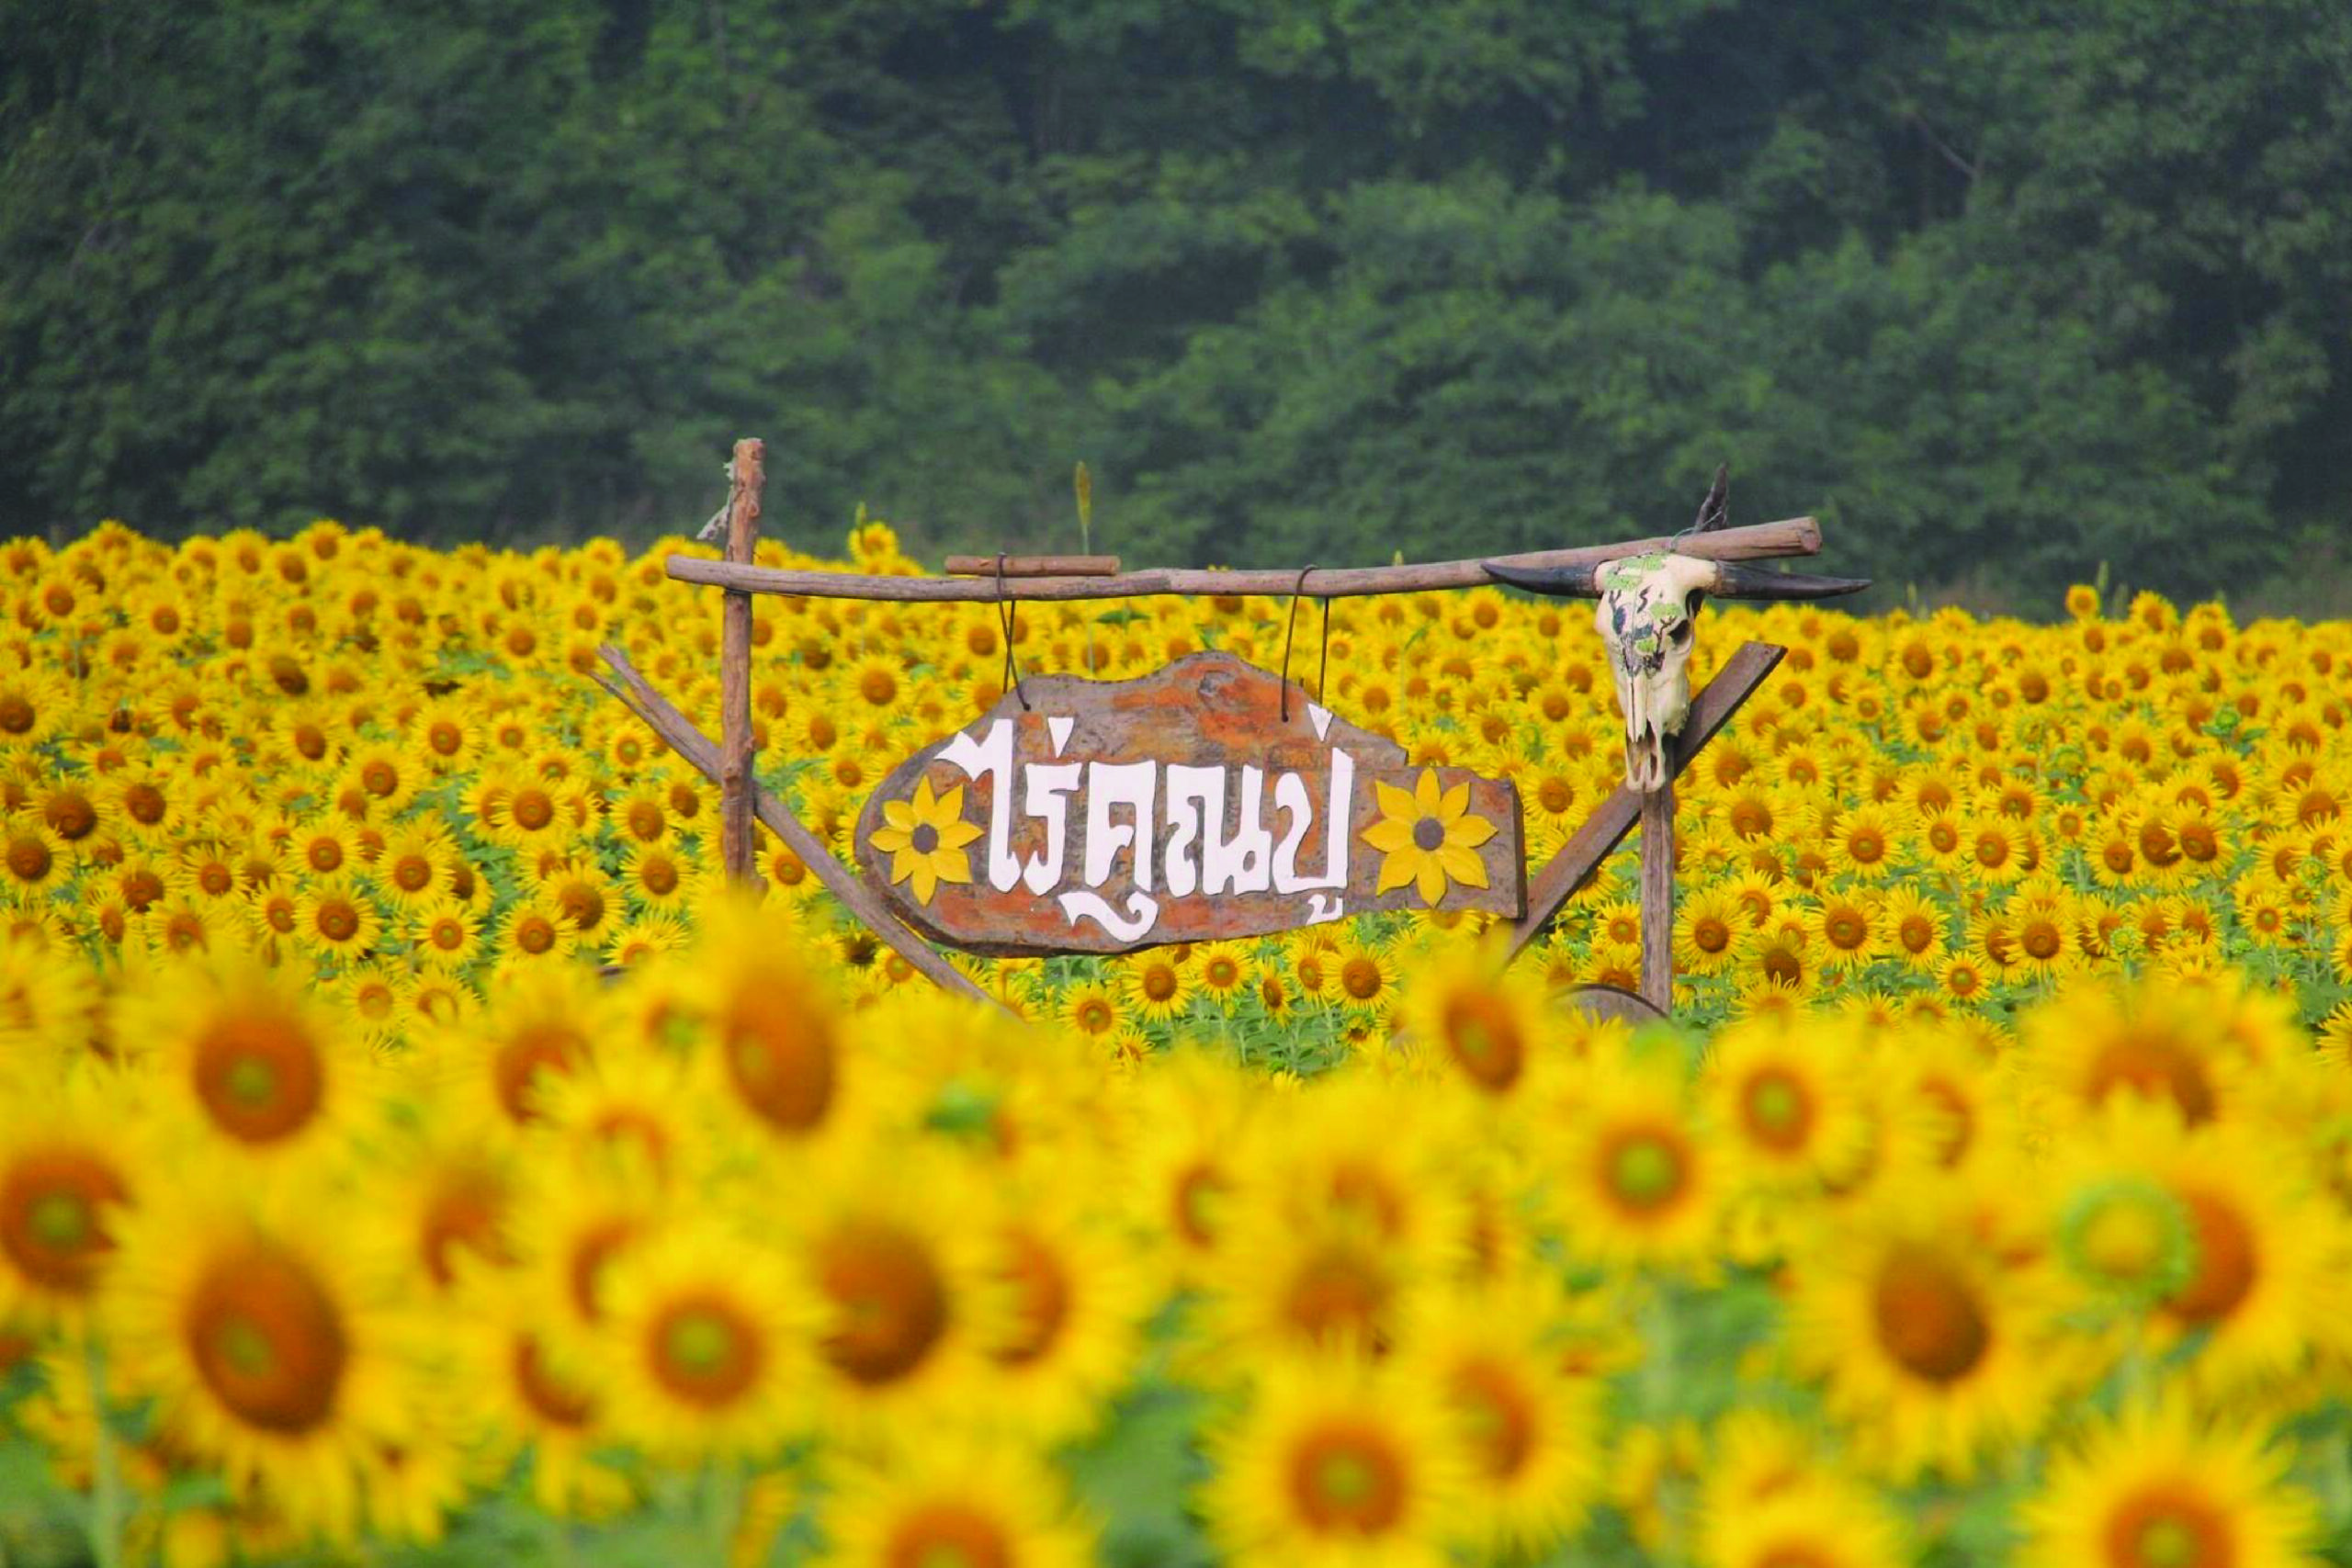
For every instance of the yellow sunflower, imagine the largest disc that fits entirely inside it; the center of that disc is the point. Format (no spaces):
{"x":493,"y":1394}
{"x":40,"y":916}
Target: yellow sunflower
{"x":707,"y":1343}
{"x":1926,"y":1313}
{"x":1427,"y":837}
{"x":953,"y":1498}
{"x":2157,"y":1485}
{"x":1335,"y":1465}
{"x":287,"y":1359}
{"x":925,"y":839}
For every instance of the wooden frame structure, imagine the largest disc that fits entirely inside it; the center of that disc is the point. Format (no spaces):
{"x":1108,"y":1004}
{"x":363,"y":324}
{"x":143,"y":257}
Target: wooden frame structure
{"x":728,"y":761}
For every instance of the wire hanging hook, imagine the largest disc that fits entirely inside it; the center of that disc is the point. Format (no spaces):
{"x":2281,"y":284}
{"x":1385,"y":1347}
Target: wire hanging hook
{"x":1007,"y":617}
{"x":1290,"y":629}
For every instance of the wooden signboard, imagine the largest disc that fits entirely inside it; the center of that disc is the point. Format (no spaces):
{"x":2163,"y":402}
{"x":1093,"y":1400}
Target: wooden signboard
{"x":1104,"y":816}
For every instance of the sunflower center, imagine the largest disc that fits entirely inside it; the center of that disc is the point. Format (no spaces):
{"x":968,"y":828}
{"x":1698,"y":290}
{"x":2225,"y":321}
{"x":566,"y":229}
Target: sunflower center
{"x":535,"y":934}
{"x":1495,"y":1416}
{"x":1846,"y":929}
{"x":2153,"y":1065}
{"x":1429,"y":833}
{"x":1866,"y":848}
{"x":259,"y":1077}
{"x":1644,"y":1171}
{"x":1338,"y":1294}
{"x":1927,"y":1318}
{"x":16,"y":713}
{"x":1485,"y":1038}
{"x":1709,"y":934}
{"x":532,"y":809}
{"x":1041,"y":1296}
{"x":703,"y":1352}
{"x":948,"y":1535}
{"x":2227,"y":1263}
{"x":2161,"y":1528}
{"x":1347,"y":1480}
{"x":923,"y":840}
{"x":412,"y":873}
{"x":49,"y":1225}
{"x":891,"y":1304}
{"x":28,"y":859}
{"x":267,"y":1340}
{"x":338,"y":921}
{"x":1359,"y":977}
{"x":551,"y":1399}
{"x":516,"y":1065}
{"x":781,"y":1056}
{"x":1159,"y":983}
{"x":1197,"y":1194}
{"x":1779,"y":1112}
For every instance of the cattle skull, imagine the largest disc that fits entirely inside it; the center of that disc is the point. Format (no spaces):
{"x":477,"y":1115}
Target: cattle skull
{"x":1647,"y":614}
{"x":1648,"y":610}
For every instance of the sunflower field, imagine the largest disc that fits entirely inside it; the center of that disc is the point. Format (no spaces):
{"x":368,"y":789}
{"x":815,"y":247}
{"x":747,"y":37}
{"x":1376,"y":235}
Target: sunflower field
{"x":412,"y":1152}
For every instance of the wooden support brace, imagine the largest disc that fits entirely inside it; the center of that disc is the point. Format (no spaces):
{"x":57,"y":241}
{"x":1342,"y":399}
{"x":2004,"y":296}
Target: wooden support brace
{"x":1657,"y":897}
{"x":736,"y":850}
{"x":678,"y":731}
{"x":1614,"y":818}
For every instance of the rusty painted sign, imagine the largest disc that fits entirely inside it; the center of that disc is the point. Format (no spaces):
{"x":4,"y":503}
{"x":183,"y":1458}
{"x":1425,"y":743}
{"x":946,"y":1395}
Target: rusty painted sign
{"x":1179,"y":806}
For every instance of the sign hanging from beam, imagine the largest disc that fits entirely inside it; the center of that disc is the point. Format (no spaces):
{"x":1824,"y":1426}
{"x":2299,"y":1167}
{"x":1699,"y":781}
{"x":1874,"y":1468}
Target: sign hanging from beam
{"x":1194,"y":804}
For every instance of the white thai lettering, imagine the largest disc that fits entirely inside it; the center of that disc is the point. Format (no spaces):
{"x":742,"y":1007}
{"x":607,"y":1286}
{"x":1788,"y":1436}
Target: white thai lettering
{"x":1239,"y":864}
{"x":1195,"y":810}
{"x":1291,"y":798}
{"x":992,"y":759}
{"x":1047,"y":786}
{"x":1135,"y":786}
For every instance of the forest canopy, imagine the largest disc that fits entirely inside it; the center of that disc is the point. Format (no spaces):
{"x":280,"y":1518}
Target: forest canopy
{"x":1997,"y":288}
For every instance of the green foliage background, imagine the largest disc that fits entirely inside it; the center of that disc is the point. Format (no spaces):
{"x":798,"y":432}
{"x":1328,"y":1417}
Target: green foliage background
{"x":1999,"y":289}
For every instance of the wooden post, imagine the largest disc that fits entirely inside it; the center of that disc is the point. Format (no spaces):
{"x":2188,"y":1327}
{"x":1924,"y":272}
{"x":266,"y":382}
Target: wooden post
{"x":737,"y":849}
{"x":1657,"y":897}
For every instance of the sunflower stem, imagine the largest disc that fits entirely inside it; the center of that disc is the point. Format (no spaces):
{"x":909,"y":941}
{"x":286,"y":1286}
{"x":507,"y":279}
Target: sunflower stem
{"x":724,"y":1499}
{"x":106,"y":1502}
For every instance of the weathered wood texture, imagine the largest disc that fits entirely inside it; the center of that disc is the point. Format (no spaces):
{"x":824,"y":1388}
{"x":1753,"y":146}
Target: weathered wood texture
{"x":1242,"y":844}
{"x":737,"y":850}
{"x":633,"y":691}
{"x":1758,"y":541}
{"x":1614,"y":818}
{"x":1657,"y":897}
{"x":1033,"y":565}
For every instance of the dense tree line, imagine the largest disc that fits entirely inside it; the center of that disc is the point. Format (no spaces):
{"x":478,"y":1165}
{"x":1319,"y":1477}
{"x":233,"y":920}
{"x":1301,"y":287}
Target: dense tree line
{"x":2036,"y":283}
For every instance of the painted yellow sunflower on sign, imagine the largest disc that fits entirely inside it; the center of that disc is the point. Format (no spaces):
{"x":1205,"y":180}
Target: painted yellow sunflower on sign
{"x":925,"y":839}
{"x":1428,"y":838}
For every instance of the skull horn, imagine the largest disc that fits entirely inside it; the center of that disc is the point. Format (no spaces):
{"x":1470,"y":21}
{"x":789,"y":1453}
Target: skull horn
{"x":1559,"y":581}
{"x":1715,"y":510}
{"x":1734,"y":581}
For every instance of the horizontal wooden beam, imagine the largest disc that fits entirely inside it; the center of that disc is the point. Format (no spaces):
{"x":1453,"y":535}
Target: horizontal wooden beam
{"x":1033,"y":565}
{"x":701,"y":753}
{"x":1615,"y":817}
{"x":1757,"y":541}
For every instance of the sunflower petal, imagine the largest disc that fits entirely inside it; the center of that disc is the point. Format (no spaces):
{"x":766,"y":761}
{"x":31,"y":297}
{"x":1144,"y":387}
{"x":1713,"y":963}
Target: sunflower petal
{"x":1389,"y":834}
{"x":1399,"y":869}
{"x":1430,"y":882}
{"x":1462,"y":865}
{"x":1469,"y":832}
